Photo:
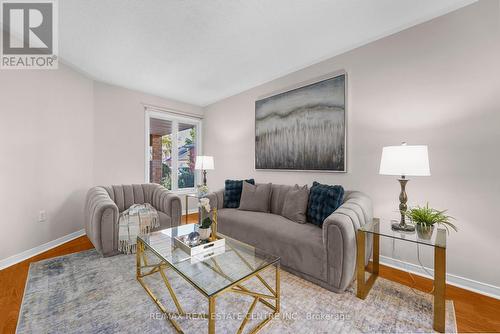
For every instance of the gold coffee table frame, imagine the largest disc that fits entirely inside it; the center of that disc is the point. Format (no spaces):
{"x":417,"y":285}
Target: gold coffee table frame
{"x":236,"y":287}
{"x":364,"y":286}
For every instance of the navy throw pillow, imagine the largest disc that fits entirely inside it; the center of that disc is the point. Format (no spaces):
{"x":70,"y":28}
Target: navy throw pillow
{"x":323,"y":200}
{"x":232,"y":192}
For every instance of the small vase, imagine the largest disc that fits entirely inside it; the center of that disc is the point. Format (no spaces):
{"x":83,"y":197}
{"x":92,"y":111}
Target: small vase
{"x":202,"y":191}
{"x":424,"y":231}
{"x":204,"y":233}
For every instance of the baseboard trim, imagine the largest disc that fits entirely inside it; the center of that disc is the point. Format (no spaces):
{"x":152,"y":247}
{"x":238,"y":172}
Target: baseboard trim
{"x":39,"y":249}
{"x":458,"y":281}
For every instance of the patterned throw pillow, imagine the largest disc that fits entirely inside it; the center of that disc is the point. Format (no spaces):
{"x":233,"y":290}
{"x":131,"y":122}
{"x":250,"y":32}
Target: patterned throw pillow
{"x":323,"y":200}
{"x":232,"y":192}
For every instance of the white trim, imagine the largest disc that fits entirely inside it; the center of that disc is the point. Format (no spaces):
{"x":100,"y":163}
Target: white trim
{"x":146,"y":146}
{"x":458,"y":281}
{"x":171,"y":111}
{"x":174,"y":154}
{"x":39,"y":249}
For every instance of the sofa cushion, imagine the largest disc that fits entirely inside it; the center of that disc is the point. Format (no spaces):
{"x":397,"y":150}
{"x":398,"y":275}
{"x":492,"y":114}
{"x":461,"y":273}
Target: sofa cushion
{"x":300,"y":246}
{"x":232,"y":192}
{"x":295,"y":204}
{"x":323,"y":201}
{"x":278,"y":194}
{"x":255,"y":197}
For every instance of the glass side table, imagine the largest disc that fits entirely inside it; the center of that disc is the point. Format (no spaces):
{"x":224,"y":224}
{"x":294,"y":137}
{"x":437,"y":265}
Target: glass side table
{"x":197,"y":197}
{"x":437,"y":240}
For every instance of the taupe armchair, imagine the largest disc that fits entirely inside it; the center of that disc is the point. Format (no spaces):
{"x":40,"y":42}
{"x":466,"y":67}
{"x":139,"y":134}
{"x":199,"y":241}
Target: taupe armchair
{"x":103,"y":206}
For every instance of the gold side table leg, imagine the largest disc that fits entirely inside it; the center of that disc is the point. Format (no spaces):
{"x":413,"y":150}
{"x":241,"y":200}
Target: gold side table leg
{"x":211,"y":315}
{"x":278,"y":293}
{"x":376,"y":254}
{"x":364,"y":286}
{"x":138,"y":258}
{"x":360,"y":264}
{"x":439,"y":288}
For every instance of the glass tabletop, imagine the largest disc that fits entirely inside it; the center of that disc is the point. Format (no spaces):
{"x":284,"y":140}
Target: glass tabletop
{"x":210,"y":271}
{"x":383,"y":228}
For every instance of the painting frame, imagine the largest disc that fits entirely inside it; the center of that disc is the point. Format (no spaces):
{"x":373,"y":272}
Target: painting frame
{"x":298,"y":87}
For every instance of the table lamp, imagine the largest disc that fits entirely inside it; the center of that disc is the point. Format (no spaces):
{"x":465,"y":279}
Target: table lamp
{"x":404,"y":160}
{"x":204,"y":163}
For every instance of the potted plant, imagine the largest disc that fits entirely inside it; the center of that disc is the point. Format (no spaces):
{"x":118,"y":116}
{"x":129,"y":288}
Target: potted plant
{"x":206,"y":221}
{"x":425,"y":218}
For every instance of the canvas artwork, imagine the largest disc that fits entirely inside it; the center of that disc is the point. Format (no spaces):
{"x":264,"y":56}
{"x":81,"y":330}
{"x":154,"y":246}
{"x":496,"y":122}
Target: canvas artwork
{"x":303,"y":129}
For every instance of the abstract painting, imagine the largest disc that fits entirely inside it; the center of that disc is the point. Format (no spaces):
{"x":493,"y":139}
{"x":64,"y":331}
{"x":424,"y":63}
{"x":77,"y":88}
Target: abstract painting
{"x":303,"y":129}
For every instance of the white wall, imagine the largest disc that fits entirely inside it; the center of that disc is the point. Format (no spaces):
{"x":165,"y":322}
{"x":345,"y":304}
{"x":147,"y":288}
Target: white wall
{"x":46,"y":154}
{"x":437,"y":84}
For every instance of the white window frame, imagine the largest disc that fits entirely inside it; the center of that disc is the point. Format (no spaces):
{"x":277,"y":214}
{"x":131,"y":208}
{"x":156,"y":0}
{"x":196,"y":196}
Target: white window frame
{"x":175,"y":118}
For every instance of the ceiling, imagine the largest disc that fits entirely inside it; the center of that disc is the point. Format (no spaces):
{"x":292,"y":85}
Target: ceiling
{"x":201,"y":51}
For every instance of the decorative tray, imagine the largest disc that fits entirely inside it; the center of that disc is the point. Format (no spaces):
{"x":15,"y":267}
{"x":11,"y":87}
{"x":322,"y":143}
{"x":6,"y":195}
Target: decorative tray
{"x":202,"y":247}
{"x":207,"y":254}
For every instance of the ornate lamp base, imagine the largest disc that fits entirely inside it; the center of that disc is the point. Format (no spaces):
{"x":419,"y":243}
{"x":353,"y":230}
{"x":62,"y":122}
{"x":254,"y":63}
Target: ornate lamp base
{"x":403,"y":227}
{"x":403,"y":198}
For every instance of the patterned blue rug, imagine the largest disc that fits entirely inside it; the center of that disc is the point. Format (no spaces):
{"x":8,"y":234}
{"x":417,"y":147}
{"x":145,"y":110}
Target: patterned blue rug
{"x":85,"y":293}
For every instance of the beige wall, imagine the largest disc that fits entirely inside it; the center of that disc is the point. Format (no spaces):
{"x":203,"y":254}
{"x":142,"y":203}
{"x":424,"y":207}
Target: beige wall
{"x":437,"y":84}
{"x":120,"y":132}
{"x":46,"y":154}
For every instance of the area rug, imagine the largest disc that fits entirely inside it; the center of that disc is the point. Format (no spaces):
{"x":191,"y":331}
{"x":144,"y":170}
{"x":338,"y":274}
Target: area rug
{"x":85,"y":293}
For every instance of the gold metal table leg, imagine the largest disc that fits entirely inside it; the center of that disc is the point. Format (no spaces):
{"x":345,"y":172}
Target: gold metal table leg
{"x":439,"y":288}
{"x":364,"y":286}
{"x":278,"y":294}
{"x":376,"y":254}
{"x":138,"y":259}
{"x":211,"y":315}
{"x":360,"y":264}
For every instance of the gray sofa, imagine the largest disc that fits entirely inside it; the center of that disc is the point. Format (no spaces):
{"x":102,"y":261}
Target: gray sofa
{"x":323,"y":255}
{"x":103,"y":206}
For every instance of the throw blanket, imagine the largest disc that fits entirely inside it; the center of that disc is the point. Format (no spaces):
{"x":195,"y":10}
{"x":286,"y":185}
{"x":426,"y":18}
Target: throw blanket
{"x":139,"y":219}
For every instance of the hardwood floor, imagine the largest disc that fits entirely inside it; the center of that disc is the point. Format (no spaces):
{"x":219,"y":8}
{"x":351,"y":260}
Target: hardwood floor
{"x":475,"y":312}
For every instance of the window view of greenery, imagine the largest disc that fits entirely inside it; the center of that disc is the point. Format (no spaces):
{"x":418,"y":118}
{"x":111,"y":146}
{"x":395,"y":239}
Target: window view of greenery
{"x":166,"y":161}
{"x":186,"y":155}
{"x":161,"y":154}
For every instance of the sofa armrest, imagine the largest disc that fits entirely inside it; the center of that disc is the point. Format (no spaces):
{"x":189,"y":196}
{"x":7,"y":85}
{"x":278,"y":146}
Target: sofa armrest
{"x":339,"y":238}
{"x":101,"y":221}
{"x":168,"y":203}
{"x":216,"y":199}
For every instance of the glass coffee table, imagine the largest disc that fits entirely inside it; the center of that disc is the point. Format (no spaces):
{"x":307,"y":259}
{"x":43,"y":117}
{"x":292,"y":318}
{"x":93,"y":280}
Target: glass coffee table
{"x":220,"y":270}
{"x":437,"y":240}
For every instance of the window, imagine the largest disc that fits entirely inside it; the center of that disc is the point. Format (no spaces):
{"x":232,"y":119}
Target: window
{"x":173,"y":142}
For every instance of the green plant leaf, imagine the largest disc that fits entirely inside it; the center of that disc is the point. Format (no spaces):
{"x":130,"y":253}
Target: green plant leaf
{"x":428,"y":216}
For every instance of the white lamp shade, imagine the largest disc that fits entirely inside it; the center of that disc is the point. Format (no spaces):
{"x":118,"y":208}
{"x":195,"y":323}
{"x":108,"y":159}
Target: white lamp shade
{"x":204,"y":162}
{"x":412,"y":160}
